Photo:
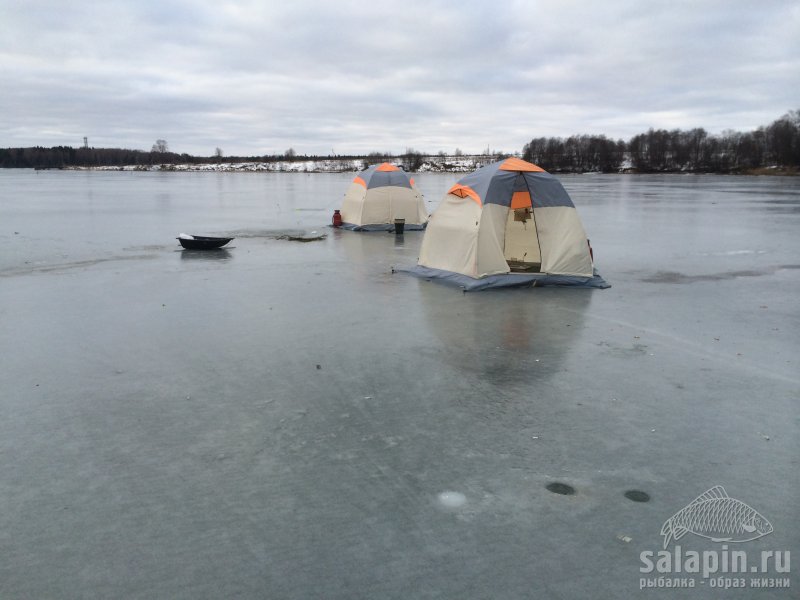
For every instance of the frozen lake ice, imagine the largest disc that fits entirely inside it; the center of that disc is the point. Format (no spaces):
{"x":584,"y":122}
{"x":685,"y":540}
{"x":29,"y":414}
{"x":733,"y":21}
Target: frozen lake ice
{"x":292,"y":420}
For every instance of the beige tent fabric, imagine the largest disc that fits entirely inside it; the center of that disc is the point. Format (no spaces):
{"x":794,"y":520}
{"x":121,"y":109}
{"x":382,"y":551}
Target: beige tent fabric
{"x":382,"y":205}
{"x":377,"y":207}
{"x":353,"y":203}
{"x":565,"y":249}
{"x":408,"y":204}
{"x":491,"y":236}
{"x":451,"y":239}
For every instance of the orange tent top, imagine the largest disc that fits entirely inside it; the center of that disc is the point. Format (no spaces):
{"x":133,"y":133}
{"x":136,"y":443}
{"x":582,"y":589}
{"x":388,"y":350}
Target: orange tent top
{"x":517,"y":164}
{"x":464,"y":191}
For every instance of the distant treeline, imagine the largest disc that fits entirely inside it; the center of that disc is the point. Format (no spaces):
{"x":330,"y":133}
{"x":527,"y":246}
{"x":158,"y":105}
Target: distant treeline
{"x":658,"y":150}
{"x":664,"y":151}
{"x":66,"y":156}
{"x":59,"y":157}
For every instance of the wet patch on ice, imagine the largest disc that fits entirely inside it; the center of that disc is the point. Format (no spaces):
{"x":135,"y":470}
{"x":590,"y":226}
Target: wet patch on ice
{"x":295,"y":235}
{"x":312,"y":236}
{"x":206,"y":255}
{"x":732,"y":253}
{"x":675,"y":277}
{"x":636,"y":349}
{"x":150,"y":248}
{"x":272,"y":234}
{"x":78,"y":264}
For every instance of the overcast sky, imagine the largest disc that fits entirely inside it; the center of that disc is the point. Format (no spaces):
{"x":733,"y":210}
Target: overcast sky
{"x":259,"y":77}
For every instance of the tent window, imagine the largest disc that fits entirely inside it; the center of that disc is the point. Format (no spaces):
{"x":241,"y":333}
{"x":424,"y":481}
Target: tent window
{"x":522,"y":214}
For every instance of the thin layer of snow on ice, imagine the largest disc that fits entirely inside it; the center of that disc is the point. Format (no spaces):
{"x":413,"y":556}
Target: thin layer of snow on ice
{"x":452,"y":499}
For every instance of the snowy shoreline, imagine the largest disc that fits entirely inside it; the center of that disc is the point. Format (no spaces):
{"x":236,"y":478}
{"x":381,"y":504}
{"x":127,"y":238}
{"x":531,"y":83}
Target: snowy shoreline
{"x":429,"y":164}
{"x":446,"y":164}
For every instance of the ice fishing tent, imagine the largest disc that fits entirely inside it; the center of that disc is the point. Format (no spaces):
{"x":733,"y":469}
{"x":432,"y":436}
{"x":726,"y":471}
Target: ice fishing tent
{"x":508,"y":223}
{"x":378,"y":196}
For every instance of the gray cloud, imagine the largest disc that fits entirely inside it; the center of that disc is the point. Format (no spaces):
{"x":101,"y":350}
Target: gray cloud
{"x":260,"y":77}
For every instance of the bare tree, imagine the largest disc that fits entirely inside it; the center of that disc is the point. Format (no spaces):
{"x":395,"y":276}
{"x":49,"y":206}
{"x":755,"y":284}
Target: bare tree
{"x":412,"y":160}
{"x":160,"y":146}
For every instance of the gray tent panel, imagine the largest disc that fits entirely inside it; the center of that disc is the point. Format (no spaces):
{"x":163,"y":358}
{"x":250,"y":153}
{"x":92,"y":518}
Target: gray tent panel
{"x":502,"y":280}
{"x":546,"y":190}
{"x":496,"y":186}
{"x":481,"y":179}
{"x":388,"y":178}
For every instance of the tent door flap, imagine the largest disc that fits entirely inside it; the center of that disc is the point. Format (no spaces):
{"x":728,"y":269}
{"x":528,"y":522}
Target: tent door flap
{"x":521,"y":244}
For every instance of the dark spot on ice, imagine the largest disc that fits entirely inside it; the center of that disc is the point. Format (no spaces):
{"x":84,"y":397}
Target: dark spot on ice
{"x":637,"y":496}
{"x":560,"y":488}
